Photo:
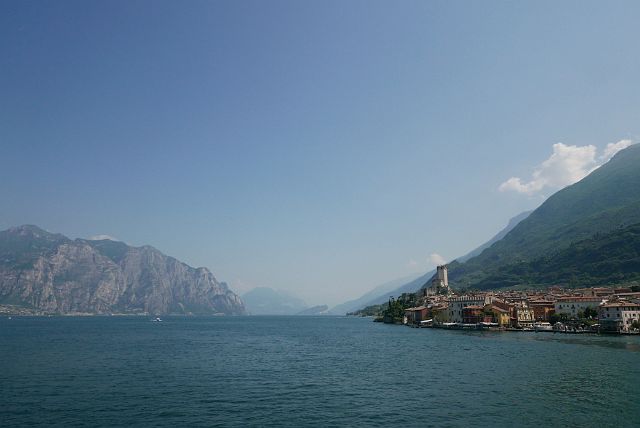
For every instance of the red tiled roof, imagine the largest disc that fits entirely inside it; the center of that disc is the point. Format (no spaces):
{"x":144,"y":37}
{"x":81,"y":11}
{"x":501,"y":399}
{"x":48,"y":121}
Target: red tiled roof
{"x":620,"y":305}
{"x":579,"y":299}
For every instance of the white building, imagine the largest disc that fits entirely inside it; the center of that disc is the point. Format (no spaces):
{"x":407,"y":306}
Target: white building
{"x":571,"y":306}
{"x":456,"y":304}
{"x":525,"y":316}
{"x":618,"y":316}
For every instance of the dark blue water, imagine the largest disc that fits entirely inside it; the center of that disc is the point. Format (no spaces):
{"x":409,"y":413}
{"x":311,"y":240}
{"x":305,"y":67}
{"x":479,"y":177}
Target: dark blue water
{"x":299,"y":371}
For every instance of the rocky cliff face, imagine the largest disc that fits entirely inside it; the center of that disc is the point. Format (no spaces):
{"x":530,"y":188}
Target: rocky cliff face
{"x":53,"y":274}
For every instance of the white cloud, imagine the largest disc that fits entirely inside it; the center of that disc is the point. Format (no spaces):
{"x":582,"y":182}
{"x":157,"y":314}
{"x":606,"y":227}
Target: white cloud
{"x":613,"y":148}
{"x":436,"y":259}
{"x":516,"y":185}
{"x":565,"y":166}
{"x":425,"y":263}
{"x":103,"y":237}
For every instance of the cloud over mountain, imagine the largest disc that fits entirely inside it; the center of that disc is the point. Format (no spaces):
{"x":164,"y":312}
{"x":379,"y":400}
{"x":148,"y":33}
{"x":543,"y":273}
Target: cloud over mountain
{"x":565,"y":166}
{"x":103,"y":237}
{"x":436,"y":259}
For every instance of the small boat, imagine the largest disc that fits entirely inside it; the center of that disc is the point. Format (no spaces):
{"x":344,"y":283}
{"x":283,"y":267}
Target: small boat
{"x":157,"y":319}
{"x":543,"y":326}
{"x":426,"y":323}
{"x":488,"y":325}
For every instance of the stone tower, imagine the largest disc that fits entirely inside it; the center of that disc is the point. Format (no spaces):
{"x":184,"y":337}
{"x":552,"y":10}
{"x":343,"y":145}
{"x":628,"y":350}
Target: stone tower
{"x":440,"y":283}
{"x":442,"y":276}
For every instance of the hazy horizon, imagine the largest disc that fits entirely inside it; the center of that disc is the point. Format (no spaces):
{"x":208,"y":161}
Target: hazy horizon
{"x":322,"y":148}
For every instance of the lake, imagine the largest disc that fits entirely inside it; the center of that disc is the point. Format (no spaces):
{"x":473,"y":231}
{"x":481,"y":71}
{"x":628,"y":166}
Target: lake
{"x":307,"y":371}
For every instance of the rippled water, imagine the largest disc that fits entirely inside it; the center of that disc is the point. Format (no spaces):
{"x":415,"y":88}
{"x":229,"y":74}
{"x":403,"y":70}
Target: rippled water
{"x":308,"y":371}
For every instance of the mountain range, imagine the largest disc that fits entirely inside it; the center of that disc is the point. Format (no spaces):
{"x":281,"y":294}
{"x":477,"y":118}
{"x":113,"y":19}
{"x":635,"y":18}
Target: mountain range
{"x":267,"y":301}
{"x":50,"y":273}
{"x":381,"y":291}
{"x":583,"y":235}
{"x":587,"y":234}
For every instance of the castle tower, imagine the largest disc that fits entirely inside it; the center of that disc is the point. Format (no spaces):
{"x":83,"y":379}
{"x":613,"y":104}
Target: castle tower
{"x":443,"y":277}
{"x":440,"y":283}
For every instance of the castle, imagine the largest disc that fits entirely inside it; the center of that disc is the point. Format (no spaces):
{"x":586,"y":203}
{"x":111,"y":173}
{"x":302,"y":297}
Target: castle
{"x":440,"y":283}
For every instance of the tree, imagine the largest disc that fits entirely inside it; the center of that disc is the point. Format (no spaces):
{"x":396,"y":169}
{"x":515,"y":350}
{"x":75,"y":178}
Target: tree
{"x":395,"y":309}
{"x":590,"y":313}
{"x":554,"y":318}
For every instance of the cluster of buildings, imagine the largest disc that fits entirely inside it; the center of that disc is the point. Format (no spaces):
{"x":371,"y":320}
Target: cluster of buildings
{"x":614,"y":310}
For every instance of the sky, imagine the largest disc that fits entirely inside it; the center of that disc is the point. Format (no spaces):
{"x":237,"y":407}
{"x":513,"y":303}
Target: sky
{"x":319,"y":147}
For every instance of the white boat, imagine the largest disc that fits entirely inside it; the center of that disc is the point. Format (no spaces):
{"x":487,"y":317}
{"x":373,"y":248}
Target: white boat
{"x":157,"y":319}
{"x":426,"y":323}
{"x":488,"y":325}
{"x":542,"y":326}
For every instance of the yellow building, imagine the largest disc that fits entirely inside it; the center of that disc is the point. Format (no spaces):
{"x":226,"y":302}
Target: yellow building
{"x":501,"y":316}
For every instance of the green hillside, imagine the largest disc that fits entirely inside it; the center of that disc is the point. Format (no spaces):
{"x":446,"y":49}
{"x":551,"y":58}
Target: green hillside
{"x":607,"y":200}
{"x":604,"y":259}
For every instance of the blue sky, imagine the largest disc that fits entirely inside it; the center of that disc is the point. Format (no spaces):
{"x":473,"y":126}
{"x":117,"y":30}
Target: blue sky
{"x":322,"y":147}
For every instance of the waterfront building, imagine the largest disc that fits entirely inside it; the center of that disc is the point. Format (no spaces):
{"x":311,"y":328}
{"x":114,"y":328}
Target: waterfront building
{"x":618,"y":317}
{"x":473,"y":314}
{"x":458,"y":303}
{"x":500,"y":315}
{"x":542,"y":309}
{"x":571,"y":306}
{"x":508,"y":308}
{"x":416,"y":315}
{"x":440,"y":313}
{"x":525,"y":316}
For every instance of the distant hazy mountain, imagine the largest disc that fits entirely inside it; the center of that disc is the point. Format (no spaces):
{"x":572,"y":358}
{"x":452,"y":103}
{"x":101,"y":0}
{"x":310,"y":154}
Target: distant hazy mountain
{"x":267,"y":301}
{"x":412,"y":285}
{"x":603,"y":203}
{"x":51,"y":273}
{"x":363,"y":300}
{"x":315,"y":310}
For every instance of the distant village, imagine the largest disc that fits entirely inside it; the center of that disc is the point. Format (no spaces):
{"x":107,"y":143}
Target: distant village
{"x":588,"y":310}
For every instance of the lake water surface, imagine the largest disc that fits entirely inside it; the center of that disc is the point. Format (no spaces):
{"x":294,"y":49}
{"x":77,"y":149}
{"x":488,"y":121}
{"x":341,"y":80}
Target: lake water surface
{"x":308,"y":371}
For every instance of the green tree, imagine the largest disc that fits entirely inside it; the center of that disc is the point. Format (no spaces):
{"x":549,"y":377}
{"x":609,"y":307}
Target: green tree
{"x":554,"y":318}
{"x":395,"y":309}
{"x":590,"y":313}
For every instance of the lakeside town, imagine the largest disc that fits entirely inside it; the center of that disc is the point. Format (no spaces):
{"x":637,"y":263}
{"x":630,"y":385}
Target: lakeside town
{"x":585,"y":310}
